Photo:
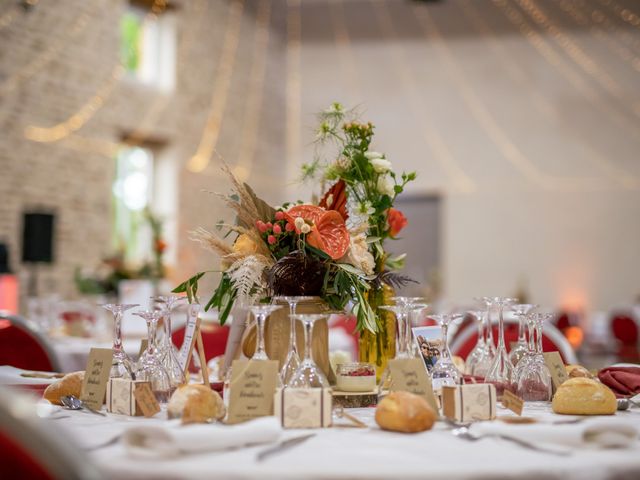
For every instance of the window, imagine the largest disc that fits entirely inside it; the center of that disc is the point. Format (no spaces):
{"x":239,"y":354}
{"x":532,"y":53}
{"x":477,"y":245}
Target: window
{"x":148,"y":47}
{"x":145,"y":184}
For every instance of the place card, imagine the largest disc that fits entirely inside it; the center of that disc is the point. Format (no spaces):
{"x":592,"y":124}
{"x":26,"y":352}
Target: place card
{"x":190,"y":330}
{"x":410,"y":375}
{"x":121,"y":398}
{"x":469,"y":403}
{"x":512,"y":402}
{"x":96,"y":376}
{"x":145,"y":399}
{"x":251,"y":389}
{"x":554,"y":363}
{"x":303,"y":407}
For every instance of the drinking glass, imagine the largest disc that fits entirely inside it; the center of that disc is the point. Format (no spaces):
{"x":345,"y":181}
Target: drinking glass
{"x":261,"y":312}
{"x":292,"y":362}
{"x":480,"y":353}
{"x":308,"y":374}
{"x":121,"y":366}
{"x":534,"y":379}
{"x":501,"y":371}
{"x":167,"y":350}
{"x":444,"y":371}
{"x":409,"y":303}
{"x":530,"y":354}
{"x":150,"y":368}
{"x":521,"y":311}
{"x":402,"y":325}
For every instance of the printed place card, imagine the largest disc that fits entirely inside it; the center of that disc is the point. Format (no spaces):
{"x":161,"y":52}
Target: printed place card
{"x":186,"y":349}
{"x":554,"y":363}
{"x":410,"y":375}
{"x":96,"y":376}
{"x":145,"y":399}
{"x":303,"y":407}
{"x":252,"y":388}
{"x":512,"y":402}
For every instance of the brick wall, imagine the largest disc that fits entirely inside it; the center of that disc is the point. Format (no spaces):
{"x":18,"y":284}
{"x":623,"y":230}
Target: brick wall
{"x":74,"y":45}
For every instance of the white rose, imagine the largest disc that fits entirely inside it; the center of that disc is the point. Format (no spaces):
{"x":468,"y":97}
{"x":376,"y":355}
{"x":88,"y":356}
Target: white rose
{"x":305,"y":228}
{"x":385,"y":186}
{"x":358,"y":254}
{"x":381,"y":165}
{"x":299,"y":222}
{"x":372,"y":155}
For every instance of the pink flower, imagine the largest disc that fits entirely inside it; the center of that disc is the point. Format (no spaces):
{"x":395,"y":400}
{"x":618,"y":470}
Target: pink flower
{"x":277,"y":229}
{"x":269,"y":225}
{"x":262,"y":226}
{"x":271,"y":239}
{"x":279,"y":215}
{"x":289,"y":227}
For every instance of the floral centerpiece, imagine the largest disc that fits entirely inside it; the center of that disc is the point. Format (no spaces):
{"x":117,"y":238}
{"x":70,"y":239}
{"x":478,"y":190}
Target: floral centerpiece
{"x":333,"y":248}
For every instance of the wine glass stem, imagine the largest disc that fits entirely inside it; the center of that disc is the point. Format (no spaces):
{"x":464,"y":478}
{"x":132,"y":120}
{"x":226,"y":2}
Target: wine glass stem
{"x":445,"y":354}
{"x":521,"y":330}
{"x":539,"y":338}
{"x":117,"y":332}
{"x":481,"y":338}
{"x":532,"y":344}
{"x":402,"y":340}
{"x":167,"y":329}
{"x":500,"y":328}
{"x":151,"y":343}
{"x":292,"y":328}
{"x":307,"y":341}
{"x":260,"y":324}
{"x":488,"y":329}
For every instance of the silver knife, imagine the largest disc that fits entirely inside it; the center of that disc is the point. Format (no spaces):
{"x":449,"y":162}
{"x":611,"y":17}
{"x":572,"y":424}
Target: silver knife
{"x":282,"y":446}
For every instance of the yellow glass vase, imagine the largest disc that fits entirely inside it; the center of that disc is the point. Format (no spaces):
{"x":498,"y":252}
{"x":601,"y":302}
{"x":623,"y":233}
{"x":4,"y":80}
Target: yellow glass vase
{"x":378,"y":348}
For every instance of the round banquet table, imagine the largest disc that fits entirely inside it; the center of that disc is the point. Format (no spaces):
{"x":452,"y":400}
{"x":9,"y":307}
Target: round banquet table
{"x":354,"y":453}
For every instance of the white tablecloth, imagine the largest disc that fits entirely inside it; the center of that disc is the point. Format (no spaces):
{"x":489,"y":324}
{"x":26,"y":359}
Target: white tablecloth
{"x":360,"y":453}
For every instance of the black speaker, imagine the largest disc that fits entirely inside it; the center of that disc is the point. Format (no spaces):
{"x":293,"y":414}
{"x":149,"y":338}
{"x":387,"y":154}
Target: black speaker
{"x":37,"y":238}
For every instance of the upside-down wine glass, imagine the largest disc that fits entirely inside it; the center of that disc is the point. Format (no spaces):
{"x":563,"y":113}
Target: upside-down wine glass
{"x":261,"y":313}
{"x":530,"y":355}
{"x":409,"y":303}
{"x":308,"y":374}
{"x":402,"y":325}
{"x":485,"y":362}
{"x":444,"y":371}
{"x":292,"y":362}
{"x":121,"y":366}
{"x":480,"y":352}
{"x":519,"y":350}
{"x":534,"y":380}
{"x":167,"y":351}
{"x":501,"y":371}
{"x":150,"y":368}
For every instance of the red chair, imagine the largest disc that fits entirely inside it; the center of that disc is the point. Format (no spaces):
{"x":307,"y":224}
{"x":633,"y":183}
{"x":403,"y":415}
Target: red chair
{"x":552,"y":340}
{"x":31,"y":448}
{"x":625,"y":330}
{"x":214,"y":338}
{"x":23,"y":347}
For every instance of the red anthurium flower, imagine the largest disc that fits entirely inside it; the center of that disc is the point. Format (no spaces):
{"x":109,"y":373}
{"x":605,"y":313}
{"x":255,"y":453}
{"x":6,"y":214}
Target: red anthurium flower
{"x":328,"y":230}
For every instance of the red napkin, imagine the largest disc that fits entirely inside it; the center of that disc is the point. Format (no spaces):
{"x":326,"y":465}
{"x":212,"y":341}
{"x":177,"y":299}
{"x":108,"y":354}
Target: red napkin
{"x":624,"y":381}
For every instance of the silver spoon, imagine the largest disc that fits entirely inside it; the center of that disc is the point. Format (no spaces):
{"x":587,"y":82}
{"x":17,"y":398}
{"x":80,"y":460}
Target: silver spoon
{"x":74,"y":403}
{"x":464,"y":433}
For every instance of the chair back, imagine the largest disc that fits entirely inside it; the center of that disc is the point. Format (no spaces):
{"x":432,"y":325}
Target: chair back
{"x":31,"y":447}
{"x":626,"y":331}
{"x":22,"y":346}
{"x":552,"y":340}
{"x":214,"y":338}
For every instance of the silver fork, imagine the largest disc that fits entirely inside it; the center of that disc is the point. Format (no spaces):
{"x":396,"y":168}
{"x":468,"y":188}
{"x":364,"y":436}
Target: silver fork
{"x":464,"y":433}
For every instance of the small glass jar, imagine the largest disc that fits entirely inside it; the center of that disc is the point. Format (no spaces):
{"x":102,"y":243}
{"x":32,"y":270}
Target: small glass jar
{"x":356,"y":377}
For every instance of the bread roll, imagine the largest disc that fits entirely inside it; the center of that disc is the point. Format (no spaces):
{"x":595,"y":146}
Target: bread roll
{"x":575,"y":371}
{"x":70,"y":384}
{"x":584,"y":396}
{"x":405,"y":412}
{"x":196,"y":404}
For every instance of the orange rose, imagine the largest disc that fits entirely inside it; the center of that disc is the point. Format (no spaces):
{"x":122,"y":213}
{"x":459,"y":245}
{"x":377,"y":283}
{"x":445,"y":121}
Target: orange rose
{"x":160,"y":246}
{"x":396,"y":220}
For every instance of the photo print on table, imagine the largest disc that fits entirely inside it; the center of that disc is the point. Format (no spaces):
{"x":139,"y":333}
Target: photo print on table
{"x":429,"y":342}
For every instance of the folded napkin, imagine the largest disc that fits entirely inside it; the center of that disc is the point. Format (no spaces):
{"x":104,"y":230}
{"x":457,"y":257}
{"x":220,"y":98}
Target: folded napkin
{"x":624,"y":381}
{"x":162,"y":442}
{"x":596,"y":433}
